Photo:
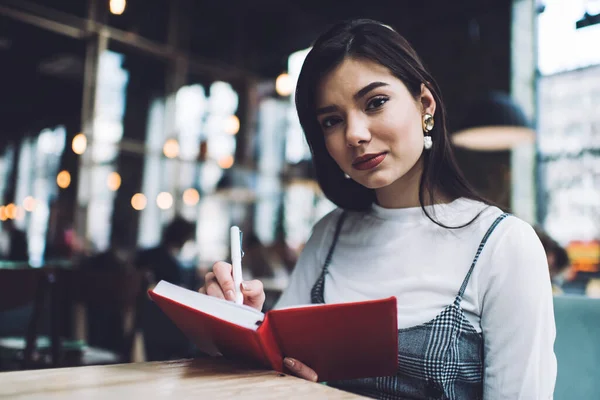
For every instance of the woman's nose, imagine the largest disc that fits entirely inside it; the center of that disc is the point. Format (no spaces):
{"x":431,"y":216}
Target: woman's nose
{"x":357,"y":132}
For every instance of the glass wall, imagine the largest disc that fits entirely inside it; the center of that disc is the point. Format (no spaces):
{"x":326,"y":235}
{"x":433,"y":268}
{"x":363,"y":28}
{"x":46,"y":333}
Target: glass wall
{"x":569,"y":136}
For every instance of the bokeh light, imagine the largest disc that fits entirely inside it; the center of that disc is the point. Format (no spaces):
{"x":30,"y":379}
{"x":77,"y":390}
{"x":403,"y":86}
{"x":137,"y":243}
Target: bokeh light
{"x":232,"y":125}
{"x":63,"y":179}
{"x":226,"y":162}
{"x":113,"y":181}
{"x":138,"y":201}
{"x":164,"y":200}
{"x":79,"y":144}
{"x":171,"y":148}
{"x":284,"y":85}
{"x":191,"y":197}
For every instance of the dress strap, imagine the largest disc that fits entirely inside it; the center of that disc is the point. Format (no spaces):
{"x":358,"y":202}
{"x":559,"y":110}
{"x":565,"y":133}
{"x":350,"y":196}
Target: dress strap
{"x":318,"y":290}
{"x":479,"y":250}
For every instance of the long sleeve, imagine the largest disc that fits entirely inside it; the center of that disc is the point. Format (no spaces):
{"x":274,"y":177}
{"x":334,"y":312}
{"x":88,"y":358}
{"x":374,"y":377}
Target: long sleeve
{"x":517,"y":319}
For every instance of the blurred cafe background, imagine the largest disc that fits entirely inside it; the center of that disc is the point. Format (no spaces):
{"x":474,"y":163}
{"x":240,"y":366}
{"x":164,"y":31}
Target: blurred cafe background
{"x":134,"y":133}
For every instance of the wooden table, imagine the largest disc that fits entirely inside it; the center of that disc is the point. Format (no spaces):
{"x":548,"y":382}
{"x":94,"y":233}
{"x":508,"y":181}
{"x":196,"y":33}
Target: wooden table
{"x":194,"y":379}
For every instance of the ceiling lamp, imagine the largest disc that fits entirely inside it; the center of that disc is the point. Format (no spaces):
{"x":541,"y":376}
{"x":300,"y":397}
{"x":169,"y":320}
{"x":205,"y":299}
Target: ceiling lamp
{"x":494,"y":123}
{"x":117,"y":7}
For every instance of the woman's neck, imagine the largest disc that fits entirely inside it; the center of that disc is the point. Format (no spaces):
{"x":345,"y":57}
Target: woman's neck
{"x":404,"y":193}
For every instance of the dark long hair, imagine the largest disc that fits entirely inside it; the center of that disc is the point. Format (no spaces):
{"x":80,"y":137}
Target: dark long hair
{"x":371,"y":40}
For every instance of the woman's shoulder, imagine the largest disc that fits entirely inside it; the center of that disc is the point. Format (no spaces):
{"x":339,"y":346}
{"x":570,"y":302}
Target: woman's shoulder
{"x":511,"y":254}
{"x":497,"y":227}
{"x":506,"y":234}
{"x":504,"y":223}
{"x":328,"y":221}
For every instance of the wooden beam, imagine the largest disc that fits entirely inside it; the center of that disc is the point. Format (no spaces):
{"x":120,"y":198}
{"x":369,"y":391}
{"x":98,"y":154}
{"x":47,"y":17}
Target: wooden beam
{"x":80,"y":28}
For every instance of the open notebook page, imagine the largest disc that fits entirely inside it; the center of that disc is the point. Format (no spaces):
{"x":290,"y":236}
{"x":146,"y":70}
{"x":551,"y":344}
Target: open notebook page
{"x":241,"y":315}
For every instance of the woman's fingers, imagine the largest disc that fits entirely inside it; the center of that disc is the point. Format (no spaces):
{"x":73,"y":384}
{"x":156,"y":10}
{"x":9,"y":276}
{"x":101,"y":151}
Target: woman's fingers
{"x":254,"y":294}
{"x":212,"y":287}
{"x":300,"y":370}
{"x":222,"y":271}
{"x":219,"y":283}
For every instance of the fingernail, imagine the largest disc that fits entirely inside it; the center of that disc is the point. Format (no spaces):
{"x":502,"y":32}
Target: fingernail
{"x":289,"y":362}
{"x":245,"y":286}
{"x":230,"y":295}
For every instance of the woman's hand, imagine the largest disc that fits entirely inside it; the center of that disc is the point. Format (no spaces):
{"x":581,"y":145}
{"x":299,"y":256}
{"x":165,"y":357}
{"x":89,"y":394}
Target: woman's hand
{"x":219,"y":283}
{"x":300,"y":370}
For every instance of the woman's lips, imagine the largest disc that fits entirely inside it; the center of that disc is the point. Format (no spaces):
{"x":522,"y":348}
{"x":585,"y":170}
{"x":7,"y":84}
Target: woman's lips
{"x":369,"y":163}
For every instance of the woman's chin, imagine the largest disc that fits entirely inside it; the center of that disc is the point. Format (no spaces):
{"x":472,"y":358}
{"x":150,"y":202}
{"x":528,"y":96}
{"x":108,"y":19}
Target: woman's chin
{"x":374,"y":182}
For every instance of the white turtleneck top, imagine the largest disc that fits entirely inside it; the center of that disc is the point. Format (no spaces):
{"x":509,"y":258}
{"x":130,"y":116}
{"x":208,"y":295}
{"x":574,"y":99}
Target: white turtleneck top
{"x":401,"y":253}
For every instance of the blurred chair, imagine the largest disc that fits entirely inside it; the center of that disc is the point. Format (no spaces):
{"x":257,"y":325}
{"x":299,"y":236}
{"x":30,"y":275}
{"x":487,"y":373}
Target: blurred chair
{"x":20,"y":287}
{"x":81,"y":291}
{"x":577,"y":347}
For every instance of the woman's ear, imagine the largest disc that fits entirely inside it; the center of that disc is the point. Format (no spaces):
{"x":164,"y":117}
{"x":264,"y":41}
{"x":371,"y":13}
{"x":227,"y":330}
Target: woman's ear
{"x":427,"y":101}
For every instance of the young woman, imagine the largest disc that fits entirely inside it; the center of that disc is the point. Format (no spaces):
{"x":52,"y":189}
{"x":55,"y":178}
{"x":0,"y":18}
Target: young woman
{"x":475,"y":315}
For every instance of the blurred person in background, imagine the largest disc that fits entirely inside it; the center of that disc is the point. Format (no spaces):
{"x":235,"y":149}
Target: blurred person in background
{"x":283,"y":253}
{"x":257,"y":260}
{"x":105,"y":325}
{"x":475,"y":308}
{"x":14,"y":246}
{"x":161,"y":261}
{"x":558,"y":260}
{"x":117,"y":257}
{"x":162,"y":339}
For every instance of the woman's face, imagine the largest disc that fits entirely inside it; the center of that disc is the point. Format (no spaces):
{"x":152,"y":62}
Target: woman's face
{"x":372,"y":124}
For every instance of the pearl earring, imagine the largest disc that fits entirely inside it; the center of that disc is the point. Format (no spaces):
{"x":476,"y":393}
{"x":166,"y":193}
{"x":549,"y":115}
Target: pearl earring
{"x":428,"y":123}
{"x":346,"y":176}
{"x":427,"y":142}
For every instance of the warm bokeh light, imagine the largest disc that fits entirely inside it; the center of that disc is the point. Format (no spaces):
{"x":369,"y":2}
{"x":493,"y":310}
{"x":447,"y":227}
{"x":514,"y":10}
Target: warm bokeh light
{"x":79,"y":144}
{"x":164,"y":200}
{"x":232,"y":125}
{"x":10,"y":211}
{"x":171,"y":148}
{"x":113,"y":181}
{"x":3,"y":216}
{"x":63,"y":179}
{"x":226,"y":162}
{"x":138,"y":201}
{"x":191,"y":197}
{"x":29,"y":203}
{"x":117,"y":7}
{"x":284,"y":85}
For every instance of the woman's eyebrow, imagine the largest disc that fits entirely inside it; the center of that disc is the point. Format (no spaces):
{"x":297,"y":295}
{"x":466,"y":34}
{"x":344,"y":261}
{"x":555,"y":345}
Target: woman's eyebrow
{"x":326,"y":110}
{"x":361,"y":93}
{"x":371,"y":86}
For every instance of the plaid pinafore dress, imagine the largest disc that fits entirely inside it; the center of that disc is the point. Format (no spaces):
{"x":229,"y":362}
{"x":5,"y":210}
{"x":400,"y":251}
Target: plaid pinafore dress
{"x":440,"y":359}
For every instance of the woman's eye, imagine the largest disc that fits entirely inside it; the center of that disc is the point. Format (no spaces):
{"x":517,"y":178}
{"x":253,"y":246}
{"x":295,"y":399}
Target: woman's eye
{"x":376,"y":103}
{"x":329,"y":122}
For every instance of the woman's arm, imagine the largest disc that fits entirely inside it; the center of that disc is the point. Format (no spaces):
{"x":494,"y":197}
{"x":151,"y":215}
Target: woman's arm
{"x":517,"y":318}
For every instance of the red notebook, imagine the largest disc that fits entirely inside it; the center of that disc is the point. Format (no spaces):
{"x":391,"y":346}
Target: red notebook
{"x":338,"y":341}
